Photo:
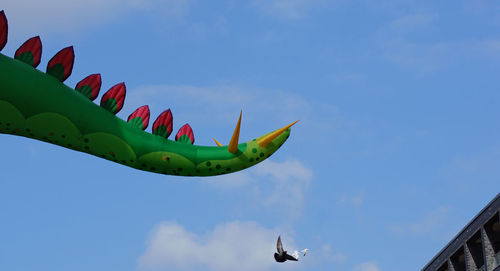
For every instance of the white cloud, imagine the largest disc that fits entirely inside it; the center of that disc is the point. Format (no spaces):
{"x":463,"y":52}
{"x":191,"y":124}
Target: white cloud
{"x":279,"y":184}
{"x":413,"y":21}
{"x":356,"y":200}
{"x":398,"y":42}
{"x":467,"y":173}
{"x":215,"y":102}
{"x":216,"y":108}
{"x":368,"y":266}
{"x":230,"y":246}
{"x":285,"y":9}
{"x":430,"y":222}
{"x":328,"y":254}
{"x":480,"y":166}
{"x":290,"y":179}
{"x":35,"y":17}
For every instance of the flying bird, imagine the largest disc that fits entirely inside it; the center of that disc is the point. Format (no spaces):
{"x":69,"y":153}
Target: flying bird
{"x":282,"y":255}
{"x":305,"y":251}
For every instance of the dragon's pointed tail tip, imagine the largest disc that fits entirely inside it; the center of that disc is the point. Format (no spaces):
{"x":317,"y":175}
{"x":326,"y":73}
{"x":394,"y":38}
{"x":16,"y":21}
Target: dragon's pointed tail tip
{"x":265,"y":140}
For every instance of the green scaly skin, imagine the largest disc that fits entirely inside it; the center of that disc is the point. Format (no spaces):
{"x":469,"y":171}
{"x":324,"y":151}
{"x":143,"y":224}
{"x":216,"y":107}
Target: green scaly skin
{"x":36,"y":105}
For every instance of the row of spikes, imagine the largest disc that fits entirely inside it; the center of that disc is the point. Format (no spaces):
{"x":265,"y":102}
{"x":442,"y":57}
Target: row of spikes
{"x":113,"y":101}
{"x":61,"y":65}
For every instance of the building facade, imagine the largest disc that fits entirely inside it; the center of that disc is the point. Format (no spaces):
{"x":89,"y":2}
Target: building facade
{"x":476,"y":247}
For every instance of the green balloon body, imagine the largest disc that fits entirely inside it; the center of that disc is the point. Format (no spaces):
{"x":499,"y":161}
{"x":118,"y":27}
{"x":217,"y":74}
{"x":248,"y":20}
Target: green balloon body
{"x":38,"y":105}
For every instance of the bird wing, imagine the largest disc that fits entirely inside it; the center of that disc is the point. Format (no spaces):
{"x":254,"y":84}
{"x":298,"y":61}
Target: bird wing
{"x":290,"y":257}
{"x":279,"y":246}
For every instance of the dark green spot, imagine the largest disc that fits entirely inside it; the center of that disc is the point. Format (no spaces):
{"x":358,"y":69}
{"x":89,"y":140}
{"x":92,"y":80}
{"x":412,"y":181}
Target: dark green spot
{"x":254,"y":150}
{"x":250,"y":160}
{"x":261,"y":154}
{"x":208,"y":164}
{"x":217,"y":166}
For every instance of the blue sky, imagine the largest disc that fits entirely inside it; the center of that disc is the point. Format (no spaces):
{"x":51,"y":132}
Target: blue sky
{"x":397,"y":148}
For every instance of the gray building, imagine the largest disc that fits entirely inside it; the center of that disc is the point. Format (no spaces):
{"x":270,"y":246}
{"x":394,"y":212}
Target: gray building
{"x":476,"y":247}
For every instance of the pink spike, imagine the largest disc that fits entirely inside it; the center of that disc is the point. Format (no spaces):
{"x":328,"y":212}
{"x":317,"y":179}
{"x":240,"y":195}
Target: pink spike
{"x":185,"y":130}
{"x":3,"y":29}
{"x":94,"y":82}
{"x":33,"y":46}
{"x":165,"y":119}
{"x":142,"y":113}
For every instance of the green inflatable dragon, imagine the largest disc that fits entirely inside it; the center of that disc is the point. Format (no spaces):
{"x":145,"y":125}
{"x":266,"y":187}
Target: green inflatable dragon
{"x":38,"y":105}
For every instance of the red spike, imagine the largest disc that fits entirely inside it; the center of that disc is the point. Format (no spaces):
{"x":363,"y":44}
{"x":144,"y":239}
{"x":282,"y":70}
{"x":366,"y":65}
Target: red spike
{"x":185,"y":134}
{"x":114,"y":98}
{"x":163,"y":124}
{"x":61,"y":65}
{"x":30,"y":52}
{"x":90,"y":86}
{"x":140,"y":117}
{"x":3,"y":29}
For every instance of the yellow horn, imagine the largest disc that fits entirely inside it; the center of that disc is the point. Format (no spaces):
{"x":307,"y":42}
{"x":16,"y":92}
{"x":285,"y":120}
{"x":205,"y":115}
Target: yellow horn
{"x":233,"y":144}
{"x":217,"y":142}
{"x":263,"y":141}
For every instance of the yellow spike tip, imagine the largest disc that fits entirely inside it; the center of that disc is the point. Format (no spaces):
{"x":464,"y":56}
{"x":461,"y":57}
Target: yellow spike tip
{"x":217,"y":142}
{"x":265,"y":140}
{"x":233,"y":144}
